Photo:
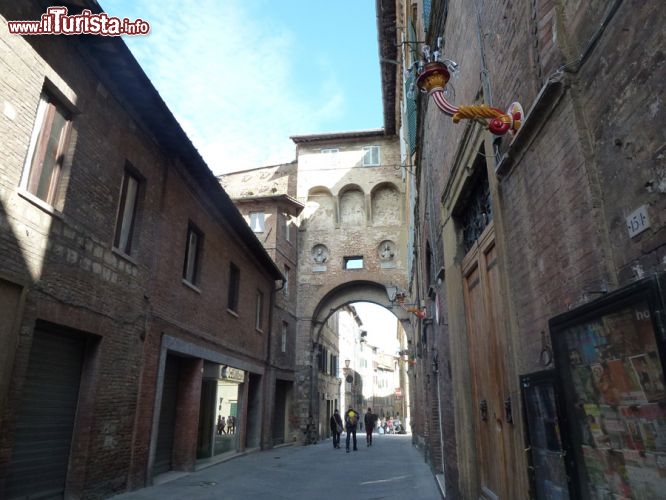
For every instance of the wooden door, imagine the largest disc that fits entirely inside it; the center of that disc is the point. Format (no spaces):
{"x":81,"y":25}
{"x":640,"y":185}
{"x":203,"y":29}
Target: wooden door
{"x":487,"y":363}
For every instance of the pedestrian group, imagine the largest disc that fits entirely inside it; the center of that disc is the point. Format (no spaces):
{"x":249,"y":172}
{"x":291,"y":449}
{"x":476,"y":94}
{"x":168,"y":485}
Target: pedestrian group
{"x":351,"y":421}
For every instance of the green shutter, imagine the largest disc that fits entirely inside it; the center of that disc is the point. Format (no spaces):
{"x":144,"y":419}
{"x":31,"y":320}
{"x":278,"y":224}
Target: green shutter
{"x":427,"y":6}
{"x":411,"y":37}
{"x":410,"y":105}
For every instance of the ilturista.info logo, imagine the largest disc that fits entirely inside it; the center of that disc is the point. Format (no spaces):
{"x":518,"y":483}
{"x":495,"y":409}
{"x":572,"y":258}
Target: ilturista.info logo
{"x":56,"y":21}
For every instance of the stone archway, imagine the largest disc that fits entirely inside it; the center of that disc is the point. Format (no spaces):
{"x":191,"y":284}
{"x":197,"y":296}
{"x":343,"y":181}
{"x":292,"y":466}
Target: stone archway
{"x":332,"y":301}
{"x":355,"y":291}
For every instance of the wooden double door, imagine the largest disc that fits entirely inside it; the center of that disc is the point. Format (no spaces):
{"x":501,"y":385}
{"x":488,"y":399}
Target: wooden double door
{"x":488,"y":355}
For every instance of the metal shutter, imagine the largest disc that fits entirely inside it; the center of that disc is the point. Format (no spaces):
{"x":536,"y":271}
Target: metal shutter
{"x":43,"y":433}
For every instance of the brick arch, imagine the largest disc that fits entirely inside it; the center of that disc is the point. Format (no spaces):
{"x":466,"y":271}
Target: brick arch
{"x":320,"y":209}
{"x":350,"y":187}
{"x":355,"y":291}
{"x":319,"y":191}
{"x":351,"y":200}
{"x":384,"y":185}
{"x":340,"y":295}
{"x":386,"y":204}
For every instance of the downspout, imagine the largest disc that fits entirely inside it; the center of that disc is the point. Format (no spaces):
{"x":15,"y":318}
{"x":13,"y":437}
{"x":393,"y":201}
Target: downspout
{"x":269,"y":350}
{"x":270,"y":384}
{"x":313,"y":374}
{"x":435,"y":370}
{"x":574,"y":67}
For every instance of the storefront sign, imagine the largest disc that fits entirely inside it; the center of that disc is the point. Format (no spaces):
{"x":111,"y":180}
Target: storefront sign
{"x":229,"y":373}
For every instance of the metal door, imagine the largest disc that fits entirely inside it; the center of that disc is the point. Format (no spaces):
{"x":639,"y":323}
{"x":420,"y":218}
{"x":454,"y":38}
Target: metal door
{"x":45,"y":422}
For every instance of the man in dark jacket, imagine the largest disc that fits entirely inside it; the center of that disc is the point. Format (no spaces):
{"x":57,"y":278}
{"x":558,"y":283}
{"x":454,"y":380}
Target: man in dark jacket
{"x":336,"y":428}
{"x":369,"y":420}
{"x":351,"y":421}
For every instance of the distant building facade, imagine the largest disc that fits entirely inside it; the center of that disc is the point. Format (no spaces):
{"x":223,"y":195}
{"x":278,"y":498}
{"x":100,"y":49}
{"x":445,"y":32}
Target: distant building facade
{"x":350,"y":245}
{"x":266,"y":197}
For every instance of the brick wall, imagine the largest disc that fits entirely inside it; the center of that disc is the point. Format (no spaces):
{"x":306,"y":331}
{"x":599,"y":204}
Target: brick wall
{"x":561,"y":206}
{"x":76,"y":280}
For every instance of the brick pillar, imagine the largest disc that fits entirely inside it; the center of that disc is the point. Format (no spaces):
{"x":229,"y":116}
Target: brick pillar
{"x":187,"y":415}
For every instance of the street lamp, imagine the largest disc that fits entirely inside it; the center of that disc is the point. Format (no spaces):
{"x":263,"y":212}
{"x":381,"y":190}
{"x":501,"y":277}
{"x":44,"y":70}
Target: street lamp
{"x":348,"y":376}
{"x":396,"y":295}
{"x":391,"y":291}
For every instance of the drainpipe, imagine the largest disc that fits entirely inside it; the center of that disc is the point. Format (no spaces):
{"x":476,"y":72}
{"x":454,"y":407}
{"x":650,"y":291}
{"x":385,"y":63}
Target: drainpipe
{"x":313,"y":382}
{"x":269,"y":347}
{"x":270,"y":383}
{"x":574,"y":67}
{"x":435,"y":371}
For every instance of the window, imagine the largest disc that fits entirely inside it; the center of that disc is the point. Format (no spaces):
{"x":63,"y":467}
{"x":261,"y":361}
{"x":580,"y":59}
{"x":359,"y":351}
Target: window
{"x":234,"y":286}
{"x":320,"y":356}
{"x":192,"y":255}
{"x":355,"y":262}
{"x":259,"y":311}
{"x":285,"y":288}
{"x":287,"y":227}
{"x":127,"y":212}
{"x":257,"y":222}
{"x":330,"y":151}
{"x":285,"y":329}
{"x":333,"y":368}
{"x":371,"y":156}
{"x":47,"y":149}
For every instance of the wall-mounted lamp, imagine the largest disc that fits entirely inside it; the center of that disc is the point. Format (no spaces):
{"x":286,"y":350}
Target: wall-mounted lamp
{"x":432,"y":75}
{"x":391,"y":292}
{"x":396,"y":295}
{"x":347,"y":363}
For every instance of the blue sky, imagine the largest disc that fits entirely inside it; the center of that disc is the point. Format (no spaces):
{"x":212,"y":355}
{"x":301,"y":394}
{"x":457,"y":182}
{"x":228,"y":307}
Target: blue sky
{"x":241,"y":76}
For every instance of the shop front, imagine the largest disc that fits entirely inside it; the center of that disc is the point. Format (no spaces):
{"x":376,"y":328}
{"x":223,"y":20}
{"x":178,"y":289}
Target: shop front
{"x":602,"y":414}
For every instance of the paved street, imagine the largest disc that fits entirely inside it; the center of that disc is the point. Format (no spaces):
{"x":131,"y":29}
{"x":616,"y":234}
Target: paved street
{"x":390,"y":469}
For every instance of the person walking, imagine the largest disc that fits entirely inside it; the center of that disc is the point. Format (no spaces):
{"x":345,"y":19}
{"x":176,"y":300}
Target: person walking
{"x":369,"y":420}
{"x":220,"y":425}
{"x":351,"y":421}
{"x":336,"y":428}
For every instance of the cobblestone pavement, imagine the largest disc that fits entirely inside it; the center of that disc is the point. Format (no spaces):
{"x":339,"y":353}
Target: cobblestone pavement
{"x":391,"y":469}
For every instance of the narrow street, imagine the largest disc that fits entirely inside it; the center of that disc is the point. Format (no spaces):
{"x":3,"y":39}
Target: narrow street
{"x":390,"y":469}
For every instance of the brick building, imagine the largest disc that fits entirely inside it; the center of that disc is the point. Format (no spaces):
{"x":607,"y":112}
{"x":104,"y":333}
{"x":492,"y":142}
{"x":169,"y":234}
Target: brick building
{"x":352,"y":242}
{"x":348,"y":191}
{"x":266,"y":197}
{"x":515,"y":234}
{"x":133,"y":295}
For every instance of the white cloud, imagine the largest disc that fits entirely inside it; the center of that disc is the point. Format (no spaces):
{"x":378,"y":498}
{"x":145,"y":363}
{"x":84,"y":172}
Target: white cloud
{"x":228,"y":77}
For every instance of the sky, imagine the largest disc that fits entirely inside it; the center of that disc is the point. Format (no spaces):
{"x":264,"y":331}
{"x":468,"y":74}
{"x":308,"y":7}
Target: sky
{"x":380,"y":323}
{"x":242,"y":76}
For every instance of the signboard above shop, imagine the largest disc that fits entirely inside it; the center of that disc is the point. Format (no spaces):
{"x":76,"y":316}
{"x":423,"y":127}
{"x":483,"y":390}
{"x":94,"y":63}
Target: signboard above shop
{"x":223,"y":372}
{"x":232,"y":374}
